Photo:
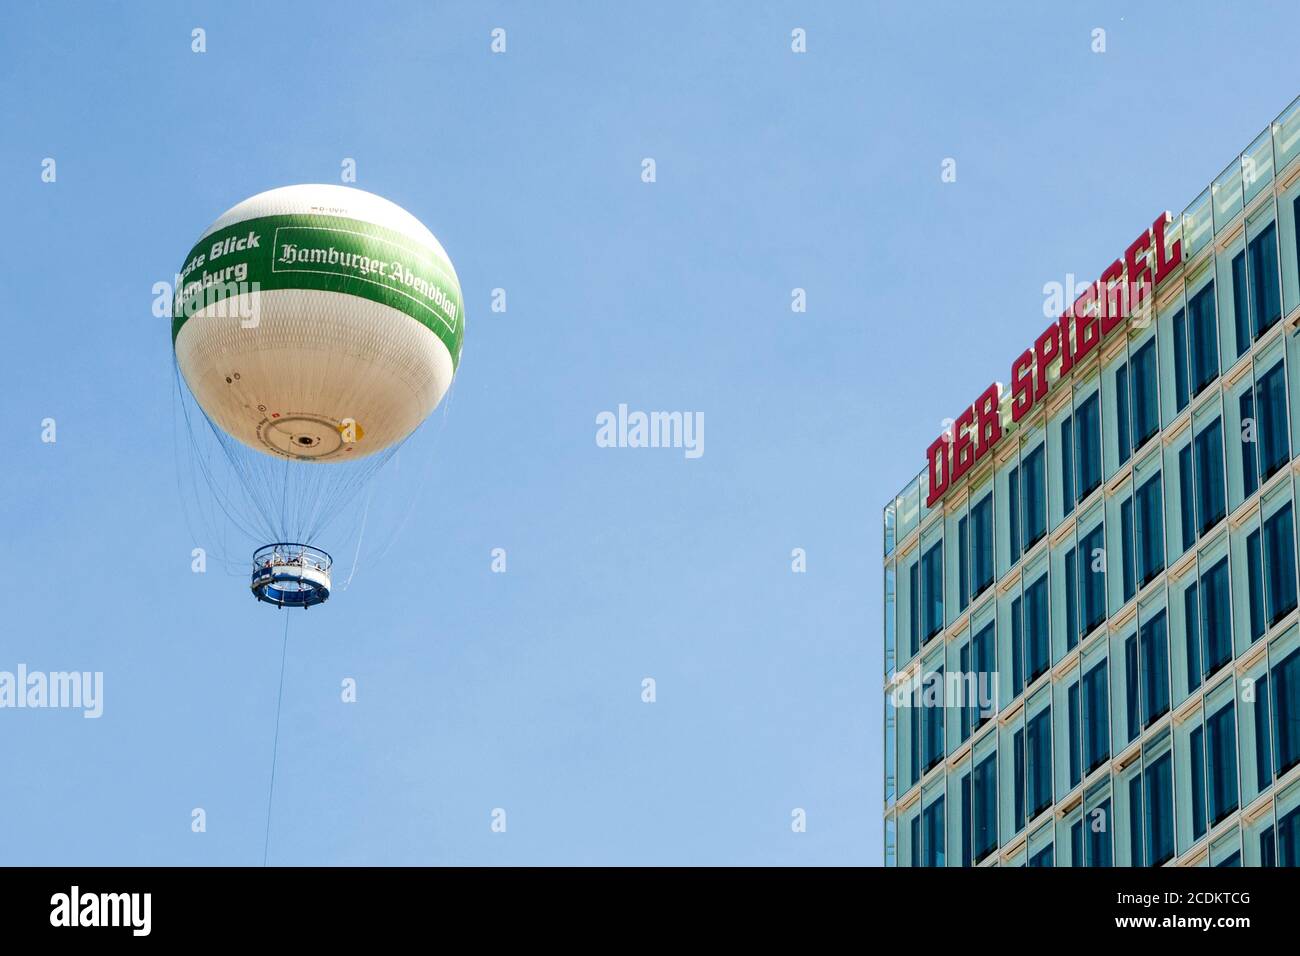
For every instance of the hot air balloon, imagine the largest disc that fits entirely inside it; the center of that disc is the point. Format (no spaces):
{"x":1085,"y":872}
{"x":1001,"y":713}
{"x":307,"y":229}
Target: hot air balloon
{"x":315,"y":327}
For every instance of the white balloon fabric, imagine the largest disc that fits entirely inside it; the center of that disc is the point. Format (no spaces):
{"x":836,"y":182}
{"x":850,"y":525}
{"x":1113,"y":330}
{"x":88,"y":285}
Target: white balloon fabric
{"x":318,"y":323}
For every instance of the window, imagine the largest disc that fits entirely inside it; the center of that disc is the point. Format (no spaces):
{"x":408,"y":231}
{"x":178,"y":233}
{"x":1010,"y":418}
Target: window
{"x":1279,"y":565}
{"x":1087,"y":435}
{"x":1255,"y":584}
{"x":1124,"y":430}
{"x":1263,"y":763}
{"x":1072,"y":733}
{"x":1099,"y":837}
{"x":1249,"y":466}
{"x":963,"y":562}
{"x":1211,"y":503}
{"x":1155,"y":669}
{"x":914,"y":609}
{"x":984,"y":664}
{"x":1197,"y":761}
{"x":1096,"y":733}
{"x":1033,"y":497}
{"x":1129,"y":568}
{"x":1265,"y":296}
{"x":1182,"y":394}
{"x":1271,"y":426}
{"x":932,"y":720}
{"x":1039,"y":744}
{"x":1135,"y":820}
{"x":1150,"y":531}
{"x":1071,"y":598}
{"x":1192,"y":628}
{"x":1067,"y":466}
{"x":916,"y":840}
{"x":914,"y":734}
{"x":1132,"y":709}
{"x":1159,"y":810}
{"x":1186,"y":496}
{"x":1092,"y":581}
{"x":1221,"y":754}
{"x":1286,"y":712}
{"x":1203,"y":335}
{"x":1146,"y":409}
{"x":1036,"y":628}
{"x":1018,"y":761}
{"x":984,"y":789}
{"x":1013,"y":512}
{"x":967,"y":713}
{"x":932,"y":574}
{"x":981,"y":517}
{"x":1216,"y":616}
{"x":1288,"y":838}
{"x":933,"y":833}
{"x":1043,"y":857}
{"x":966,"y":822}
{"x":1240,"y":308}
{"x":1017,"y":648}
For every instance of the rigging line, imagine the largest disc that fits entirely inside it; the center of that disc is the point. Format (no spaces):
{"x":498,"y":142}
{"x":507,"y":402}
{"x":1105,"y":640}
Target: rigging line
{"x":275,"y":747}
{"x":360,"y":536}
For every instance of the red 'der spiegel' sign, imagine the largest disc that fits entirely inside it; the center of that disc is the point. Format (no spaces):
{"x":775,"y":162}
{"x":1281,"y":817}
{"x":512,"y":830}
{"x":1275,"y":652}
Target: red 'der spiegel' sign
{"x":1123,"y":290}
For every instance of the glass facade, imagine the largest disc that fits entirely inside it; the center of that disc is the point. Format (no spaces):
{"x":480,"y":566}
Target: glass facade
{"x":1092,"y":644}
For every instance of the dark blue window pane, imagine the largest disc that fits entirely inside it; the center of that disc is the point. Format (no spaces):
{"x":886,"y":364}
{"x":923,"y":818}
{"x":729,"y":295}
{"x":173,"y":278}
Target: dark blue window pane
{"x":1279,"y":565}
{"x":967,"y":713}
{"x":1017,"y":648}
{"x":1265,"y":295}
{"x":1146,"y":409}
{"x":1249,"y":464}
{"x":966,"y":822}
{"x":1076,"y":844}
{"x":1203,"y":336}
{"x":1155,"y":669}
{"x":984,"y":650}
{"x":1099,"y":837}
{"x":1221,"y":754}
{"x":933,"y":833}
{"x":1211,"y":496}
{"x":1240,"y":307}
{"x":1096,"y":700}
{"x":981,"y":517}
{"x":1092,"y":581}
{"x":1182,"y":392}
{"x":932,"y":576}
{"x":1197,"y":760}
{"x":1071,"y":598}
{"x":1039,"y":757}
{"x":1286,"y":713}
{"x":914,"y":729}
{"x":1131,"y":707}
{"x":1216,"y":616}
{"x":1135,"y":820}
{"x":1018,"y":759}
{"x":1124,"y":425}
{"x":1036,"y":628}
{"x":1150,"y":531}
{"x":1013,"y":512}
{"x":1067,"y":466}
{"x":1271,"y":426}
{"x":963,"y":562}
{"x":1288,"y":838}
{"x":1255,"y":583}
{"x":1192,"y":621}
{"x":1232,"y":859}
{"x":1263,"y":756}
{"x":1073,"y":736}
{"x":932,"y":720}
{"x":1159,"y":795}
{"x":985,"y":795}
{"x":1187,"y":496}
{"x":1033,"y":497}
{"x":1267,"y":848}
{"x":914,"y":609}
{"x":1043,"y":857}
{"x":916,"y":841}
{"x":1127,"y":558}
{"x":1087,"y":436}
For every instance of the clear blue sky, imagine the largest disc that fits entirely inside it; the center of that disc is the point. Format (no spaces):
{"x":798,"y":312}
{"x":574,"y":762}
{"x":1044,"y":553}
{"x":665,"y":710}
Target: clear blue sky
{"x":522,"y":691}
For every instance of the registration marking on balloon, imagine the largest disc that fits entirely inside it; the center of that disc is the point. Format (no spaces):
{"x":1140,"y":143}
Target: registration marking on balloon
{"x":306,"y":436}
